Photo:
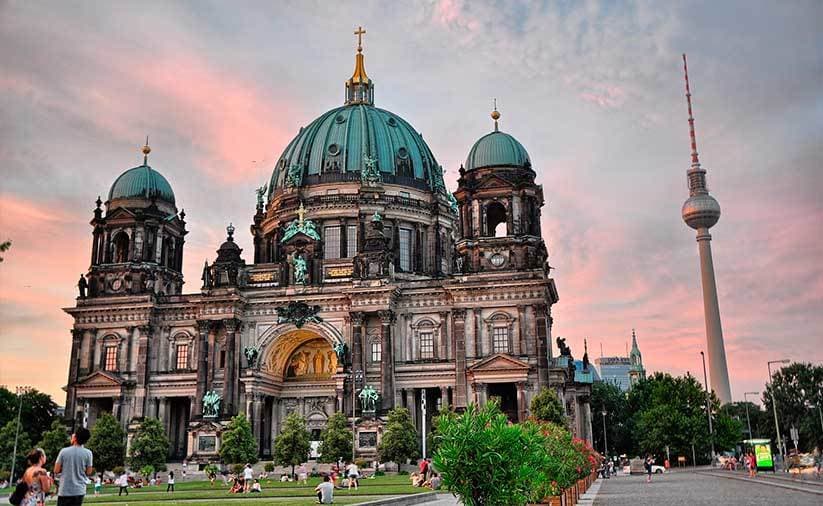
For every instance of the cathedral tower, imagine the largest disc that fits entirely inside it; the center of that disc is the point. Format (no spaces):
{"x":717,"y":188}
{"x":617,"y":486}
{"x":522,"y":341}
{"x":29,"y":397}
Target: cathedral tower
{"x":701,"y":211}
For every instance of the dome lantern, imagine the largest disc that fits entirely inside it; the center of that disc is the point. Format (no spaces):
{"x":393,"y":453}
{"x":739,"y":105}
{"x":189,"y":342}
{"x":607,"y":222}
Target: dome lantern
{"x":359,"y":88}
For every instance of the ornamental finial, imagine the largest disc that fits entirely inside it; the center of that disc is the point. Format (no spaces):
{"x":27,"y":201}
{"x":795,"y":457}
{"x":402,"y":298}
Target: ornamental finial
{"x":495,"y":115}
{"x":146,"y":151}
{"x":359,"y":32}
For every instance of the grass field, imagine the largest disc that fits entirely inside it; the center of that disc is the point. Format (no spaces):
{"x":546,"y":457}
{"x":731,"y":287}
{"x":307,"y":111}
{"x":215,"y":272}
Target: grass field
{"x":201,"y":493}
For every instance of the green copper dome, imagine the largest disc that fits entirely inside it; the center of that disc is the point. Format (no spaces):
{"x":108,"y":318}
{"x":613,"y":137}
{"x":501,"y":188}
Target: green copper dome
{"x":497,"y":149}
{"x":336,"y":146}
{"x":141,"y":182}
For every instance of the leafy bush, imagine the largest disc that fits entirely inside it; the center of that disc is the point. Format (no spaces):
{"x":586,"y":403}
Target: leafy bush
{"x":486,"y":460}
{"x":399,"y":442}
{"x":146,"y":472}
{"x":268,"y":467}
{"x":546,"y":407}
{"x":211,"y":469}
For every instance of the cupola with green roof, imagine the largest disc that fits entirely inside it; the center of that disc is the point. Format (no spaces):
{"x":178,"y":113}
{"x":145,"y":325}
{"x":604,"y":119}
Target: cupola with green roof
{"x":497,"y":149}
{"x":142,"y":182}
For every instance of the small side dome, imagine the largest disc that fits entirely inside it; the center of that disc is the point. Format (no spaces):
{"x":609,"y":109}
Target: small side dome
{"x":497,"y":149}
{"x":141,"y":182}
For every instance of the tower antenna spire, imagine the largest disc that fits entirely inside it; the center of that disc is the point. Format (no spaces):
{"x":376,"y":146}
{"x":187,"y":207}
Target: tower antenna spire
{"x":695,"y":159}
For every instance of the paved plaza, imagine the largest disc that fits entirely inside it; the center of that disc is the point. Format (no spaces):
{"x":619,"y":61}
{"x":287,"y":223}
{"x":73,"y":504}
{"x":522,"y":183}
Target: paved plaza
{"x":694,"y":489}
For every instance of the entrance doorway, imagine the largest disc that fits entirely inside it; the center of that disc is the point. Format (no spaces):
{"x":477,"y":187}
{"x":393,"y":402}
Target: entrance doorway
{"x":506,"y":393}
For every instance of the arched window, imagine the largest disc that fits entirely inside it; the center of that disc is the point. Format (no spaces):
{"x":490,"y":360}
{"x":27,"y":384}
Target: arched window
{"x":496,"y":225}
{"x":121,"y":247}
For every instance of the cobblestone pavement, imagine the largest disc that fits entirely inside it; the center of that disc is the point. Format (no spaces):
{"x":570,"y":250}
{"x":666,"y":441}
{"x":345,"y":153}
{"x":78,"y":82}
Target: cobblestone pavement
{"x":692,"y":489}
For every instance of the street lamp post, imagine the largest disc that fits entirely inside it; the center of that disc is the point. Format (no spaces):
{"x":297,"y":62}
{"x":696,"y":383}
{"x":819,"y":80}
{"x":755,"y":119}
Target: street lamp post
{"x":748,"y":421}
{"x":780,"y":447}
{"x":708,"y":404}
{"x":605,"y":437}
{"x":21,"y":391}
{"x":355,"y":377}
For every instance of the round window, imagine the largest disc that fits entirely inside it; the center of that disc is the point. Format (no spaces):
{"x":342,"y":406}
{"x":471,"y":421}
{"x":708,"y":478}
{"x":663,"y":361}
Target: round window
{"x":497,"y":260}
{"x":340,"y":118}
{"x":334,"y":149}
{"x":403,"y":153}
{"x":392,"y":122}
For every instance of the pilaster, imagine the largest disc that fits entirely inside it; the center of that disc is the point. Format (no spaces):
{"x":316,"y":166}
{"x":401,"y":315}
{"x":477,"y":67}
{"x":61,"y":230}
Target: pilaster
{"x":459,"y":331}
{"x":203,"y":328}
{"x":387,"y":319}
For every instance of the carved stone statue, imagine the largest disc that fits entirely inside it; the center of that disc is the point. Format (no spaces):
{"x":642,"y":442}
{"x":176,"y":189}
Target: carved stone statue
{"x":260,"y":192}
{"x":206,"y":277}
{"x":211,"y":404}
{"x":368,"y":398}
{"x":564,"y":349}
{"x":251,"y":354}
{"x":340,"y":350}
{"x":301,"y":270}
{"x":82,"y":286}
{"x":293,"y":177}
{"x":298,"y":313}
{"x":370,"y":174}
{"x":452,"y":201}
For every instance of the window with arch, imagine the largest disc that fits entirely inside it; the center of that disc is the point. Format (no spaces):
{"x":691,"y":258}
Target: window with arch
{"x":496,"y":222}
{"x":426,"y":334}
{"x":181,"y":356}
{"x":120,"y":247}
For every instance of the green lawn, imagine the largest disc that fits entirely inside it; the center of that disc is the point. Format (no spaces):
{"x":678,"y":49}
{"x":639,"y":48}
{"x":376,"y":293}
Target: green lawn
{"x":201,"y":493}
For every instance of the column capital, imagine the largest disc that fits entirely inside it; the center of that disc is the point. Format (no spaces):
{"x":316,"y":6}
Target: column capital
{"x":357,"y":318}
{"x":203,"y":327}
{"x":233,"y":325}
{"x":144,"y":329}
{"x":387,"y":317}
{"x":459,"y":313}
{"x":76,"y":334}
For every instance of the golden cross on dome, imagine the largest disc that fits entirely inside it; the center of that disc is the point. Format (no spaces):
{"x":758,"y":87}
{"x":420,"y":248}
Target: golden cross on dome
{"x":301,"y":213}
{"x":359,"y":32}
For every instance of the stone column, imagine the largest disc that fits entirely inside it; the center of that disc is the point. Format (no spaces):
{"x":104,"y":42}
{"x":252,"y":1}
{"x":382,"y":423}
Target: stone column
{"x":142,"y":370}
{"x":444,"y":335}
{"x":542,"y":345}
{"x":521,"y":330}
{"x":387,"y":319}
{"x":163,"y":413}
{"x":485,"y":334}
{"x":459,"y":332}
{"x":357,"y":341}
{"x":408,"y":335}
{"x":468,"y":332}
{"x":230,"y":373}
{"x":203,"y":327}
{"x":74,"y":366}
{"x":411,"y":405}
{"x":444,"y":396}
{"x":257,"y":414}
{"x":521,"y":401}
{"x":482,"y":393}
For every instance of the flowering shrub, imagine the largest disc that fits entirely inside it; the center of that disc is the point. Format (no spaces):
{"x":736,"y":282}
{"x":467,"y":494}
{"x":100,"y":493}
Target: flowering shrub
{"x":591,"y":457}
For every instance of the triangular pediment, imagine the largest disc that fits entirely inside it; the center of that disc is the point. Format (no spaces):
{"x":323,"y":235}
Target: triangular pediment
{"x":100,"y":379}
{"x":299,"y":236}
{"x":121,"y":213}
{"x":499,"y":362}
{"x":493,"y":181}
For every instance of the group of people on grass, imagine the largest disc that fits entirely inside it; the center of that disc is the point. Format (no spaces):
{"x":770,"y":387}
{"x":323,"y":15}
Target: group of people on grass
{"x":426,"y":476}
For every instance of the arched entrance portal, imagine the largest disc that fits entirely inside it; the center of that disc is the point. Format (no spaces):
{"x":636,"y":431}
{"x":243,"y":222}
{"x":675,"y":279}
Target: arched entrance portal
{"x":298,"y":375}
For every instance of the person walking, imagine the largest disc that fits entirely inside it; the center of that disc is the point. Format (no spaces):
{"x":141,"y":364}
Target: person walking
{"x":123,"y":483}
{"x":98,"y":485}
{"x":648,"y":465}
{"x":353,"y":472}
{"x":74,"y":464}
{"x":38,"y":480}
{"x":170,"y":483}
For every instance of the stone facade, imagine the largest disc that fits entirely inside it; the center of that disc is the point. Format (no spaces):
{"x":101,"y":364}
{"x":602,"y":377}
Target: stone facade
{"x":392,"y":279}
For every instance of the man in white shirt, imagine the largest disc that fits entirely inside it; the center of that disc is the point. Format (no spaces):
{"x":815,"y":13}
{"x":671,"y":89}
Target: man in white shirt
{"x":325,"y":491}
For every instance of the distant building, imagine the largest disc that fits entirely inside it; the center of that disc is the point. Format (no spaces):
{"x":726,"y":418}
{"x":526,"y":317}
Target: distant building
{"x":622,"y":371}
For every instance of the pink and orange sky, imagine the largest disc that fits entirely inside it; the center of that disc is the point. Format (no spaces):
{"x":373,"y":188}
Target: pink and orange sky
{"x":594,"y":91}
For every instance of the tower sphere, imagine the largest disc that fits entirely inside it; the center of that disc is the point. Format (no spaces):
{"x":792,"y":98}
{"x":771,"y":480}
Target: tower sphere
{"x":701,"y":211}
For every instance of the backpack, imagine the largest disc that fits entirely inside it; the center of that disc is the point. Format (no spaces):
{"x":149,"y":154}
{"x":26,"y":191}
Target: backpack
{"x":19,"y":493}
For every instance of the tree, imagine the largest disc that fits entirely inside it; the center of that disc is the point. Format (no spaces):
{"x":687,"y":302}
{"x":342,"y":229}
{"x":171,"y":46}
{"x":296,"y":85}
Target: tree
{"x":37,"y":411}
{"x":485,"y":460}
{"x":798,"y":391}
{"x":107,"y":443}
{"x":546,"y":407}
{"x":399,"y":442}
{"x":53,"y":441}
{"x":4,"y":246}
{"x":609,"y":398}
{"x":760,"y":419}
{"x":149,"y":446}
{"x":7,"y":448}
{"x":292,"y":445}
{"x":431,"y":439}
{"x":238,"y":444}
{"x":336,"y":439}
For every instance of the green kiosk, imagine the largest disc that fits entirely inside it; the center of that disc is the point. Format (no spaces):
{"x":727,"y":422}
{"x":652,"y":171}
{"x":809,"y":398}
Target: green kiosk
{"x":762,"y":453}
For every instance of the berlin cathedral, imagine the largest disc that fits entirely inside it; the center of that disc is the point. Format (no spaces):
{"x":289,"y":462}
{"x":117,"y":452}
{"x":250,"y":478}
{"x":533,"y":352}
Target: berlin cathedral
{"x":371,"y":287}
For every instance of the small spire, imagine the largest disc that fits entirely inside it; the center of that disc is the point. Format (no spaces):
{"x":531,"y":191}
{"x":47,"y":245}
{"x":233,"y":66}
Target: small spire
{"x":495,"y":116}
{"x":695,"y":159}
{"x":98,"y":202}
{"x":634,"y":340}
{"x":230,"y":232}
{"x":146,"y":151}
{"x":301,"y":213}
{"x":359,"y":86}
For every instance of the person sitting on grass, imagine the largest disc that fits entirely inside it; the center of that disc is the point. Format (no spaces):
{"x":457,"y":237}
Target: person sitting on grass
{"x":302,"y":474}
{"x":255,"y":488}
{"x":237,"y":487}
{"x":434,"y":481}
{"x":325,"y":491}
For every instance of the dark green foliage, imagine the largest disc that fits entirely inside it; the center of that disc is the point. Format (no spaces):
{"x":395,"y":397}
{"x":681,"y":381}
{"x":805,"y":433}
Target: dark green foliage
{"x":4,"y":246}
{"x":431,"y":438}
{"x":485,"y":460}
{"x":268,"y":467}
{"x":37,"y":413}
{"x":608,"y":397}
{"x":107,"y":443}
{"x":238,"y":445}
{"x":292,"y":445}
{"x":546,"y":407}
{"x":149,"y":446}
{"x":53,"y":441}
{"x":146,"y":472}
{"x":7,"y":448}
{"x":798,"y":390}
{"x":336,"y":439}
{"x":761,"y":420}
{"x":399,"y":442}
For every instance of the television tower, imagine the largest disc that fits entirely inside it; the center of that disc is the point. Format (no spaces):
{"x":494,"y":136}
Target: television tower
{"x":701,"y":211}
